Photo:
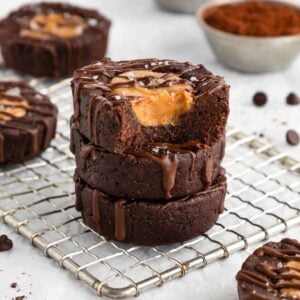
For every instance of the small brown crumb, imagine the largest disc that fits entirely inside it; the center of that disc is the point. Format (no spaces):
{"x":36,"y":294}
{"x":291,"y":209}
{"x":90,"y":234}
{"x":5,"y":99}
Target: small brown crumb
{"x":13,"y":285}
{"x":292,"y":137}
{"x":5,"y":243}
{"x":20,"y":298}
{"x":292,"y":99}
{"x":261,"y":135}
{"x":260,"y":99}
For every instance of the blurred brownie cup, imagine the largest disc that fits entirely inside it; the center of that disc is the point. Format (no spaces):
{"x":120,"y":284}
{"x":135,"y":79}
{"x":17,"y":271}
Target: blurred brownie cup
{"x":52,"y":39}
{"x":27,"y":122}
{"x":271,"y":272}
{"x":147,"y":222}
{"x":125,"y":105}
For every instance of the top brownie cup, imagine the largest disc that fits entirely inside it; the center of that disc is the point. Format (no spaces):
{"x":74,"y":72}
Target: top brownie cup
{"x":52,"y":39}
{"x":126,"y":105}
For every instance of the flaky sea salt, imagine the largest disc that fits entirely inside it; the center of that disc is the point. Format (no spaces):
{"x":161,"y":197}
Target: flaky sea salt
{"x":118,"y":97}
{"x":130,"y":75}
{"x":193,"y":78}
{"x":15,"y":91}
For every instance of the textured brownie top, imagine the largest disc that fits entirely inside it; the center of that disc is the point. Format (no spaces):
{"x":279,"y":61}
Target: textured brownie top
{"x":272,"y":272}
{"x":52,"y":22}
{"x":149,"y":100}
{"x":22,"y":109}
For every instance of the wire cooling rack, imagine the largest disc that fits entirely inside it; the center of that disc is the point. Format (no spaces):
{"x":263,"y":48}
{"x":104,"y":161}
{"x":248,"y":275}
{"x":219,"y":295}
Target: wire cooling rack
{"x":37,"y":200}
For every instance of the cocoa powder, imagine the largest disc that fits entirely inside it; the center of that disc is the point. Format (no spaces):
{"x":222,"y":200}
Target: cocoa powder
{"x":255,"y":18}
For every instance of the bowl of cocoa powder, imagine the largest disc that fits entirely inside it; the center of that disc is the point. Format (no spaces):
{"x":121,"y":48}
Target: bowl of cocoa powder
{"x":252,"y":36}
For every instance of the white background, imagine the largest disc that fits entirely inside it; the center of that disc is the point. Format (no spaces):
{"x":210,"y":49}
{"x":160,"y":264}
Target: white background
{"x":140,"y":30}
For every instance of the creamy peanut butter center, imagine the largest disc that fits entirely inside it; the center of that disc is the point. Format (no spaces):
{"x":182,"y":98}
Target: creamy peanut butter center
{"x":291,"y":285}
{"x":159,"y":99}
{"x":12,"y":107}
{"x":45,"y":26}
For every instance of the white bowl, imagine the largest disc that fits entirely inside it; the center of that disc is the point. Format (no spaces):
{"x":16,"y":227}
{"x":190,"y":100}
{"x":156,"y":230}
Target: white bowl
{"x":182,"y":6}
{"x":249,"y":54}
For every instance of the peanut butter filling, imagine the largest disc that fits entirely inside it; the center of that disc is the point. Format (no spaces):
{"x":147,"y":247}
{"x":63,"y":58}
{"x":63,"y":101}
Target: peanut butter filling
{"x":46,"y":26}
{"x":293,"y":271}
{"x":158,"y":102}
{"x":12,"y":108}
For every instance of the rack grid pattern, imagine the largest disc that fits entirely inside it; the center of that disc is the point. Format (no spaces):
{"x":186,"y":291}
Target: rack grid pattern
{"x":37,"y":200}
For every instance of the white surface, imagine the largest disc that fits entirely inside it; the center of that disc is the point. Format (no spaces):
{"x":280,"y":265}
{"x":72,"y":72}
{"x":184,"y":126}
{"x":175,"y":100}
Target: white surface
{"x":140,"y":30}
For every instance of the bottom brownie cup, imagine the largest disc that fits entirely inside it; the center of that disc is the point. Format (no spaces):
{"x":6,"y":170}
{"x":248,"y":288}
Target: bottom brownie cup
{"x":271,"y":272}
{"x":150,"y":222}
{"x":27,"y":122}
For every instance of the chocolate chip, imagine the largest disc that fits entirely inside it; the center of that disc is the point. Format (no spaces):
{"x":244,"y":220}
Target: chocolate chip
{"x":5,"y":243}
{"x":13,"y":285}
{"x":292,"y":99}
{"x":260,"y":99}
{"x":292,"y":137}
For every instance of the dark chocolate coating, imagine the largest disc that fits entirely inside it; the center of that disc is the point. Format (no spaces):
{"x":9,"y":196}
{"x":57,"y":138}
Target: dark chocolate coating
{"x":161,"y":172}
{"x":147,"y":222}
{"x":24,"y":138}
{"x":110,"y":122}
{"x":272,"y":272}
{"x":57,"y":57}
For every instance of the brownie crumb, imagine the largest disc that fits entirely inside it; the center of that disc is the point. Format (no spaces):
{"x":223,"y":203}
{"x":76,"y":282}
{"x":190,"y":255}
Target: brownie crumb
{"x":292,"y":137}
{"x":20,"y":298}
{"x":261,"y":135}
{"x":5,"y":243}
{"x":13,"y":285}
{"x":260,"y":99}
{"x":292,"y":99}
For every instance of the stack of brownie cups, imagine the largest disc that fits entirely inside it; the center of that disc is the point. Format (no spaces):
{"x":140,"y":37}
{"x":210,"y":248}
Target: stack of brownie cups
{"x":148,"y":138}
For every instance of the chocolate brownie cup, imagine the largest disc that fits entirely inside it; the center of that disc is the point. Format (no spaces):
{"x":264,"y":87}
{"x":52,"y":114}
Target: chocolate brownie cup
{"x":160,"y":171}
{"x":127,"y":104}
{"x":27,"y":122}
{"x":52,"y":39}
{"x":146,"y":222}
{"x":271,"y":272}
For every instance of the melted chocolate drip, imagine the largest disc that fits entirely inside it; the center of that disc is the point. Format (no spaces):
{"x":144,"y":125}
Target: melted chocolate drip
{"x":275,"y":278}
{"x":208,"y":171}
{"x":96,"y":209}
{"x":2,"y":150}
{"x":86,"y":150}
{"x":169,"y":163}
{"x":120,"y":220}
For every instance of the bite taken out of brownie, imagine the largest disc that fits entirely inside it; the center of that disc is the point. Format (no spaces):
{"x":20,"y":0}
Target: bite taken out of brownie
{"x":52,"y":39}
{"x":126,"y":105}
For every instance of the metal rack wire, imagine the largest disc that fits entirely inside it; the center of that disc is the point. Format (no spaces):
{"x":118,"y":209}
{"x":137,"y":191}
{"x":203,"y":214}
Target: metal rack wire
{"x":37,"y":200}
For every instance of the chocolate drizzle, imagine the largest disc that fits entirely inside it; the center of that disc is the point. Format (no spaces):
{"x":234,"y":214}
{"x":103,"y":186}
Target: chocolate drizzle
{"x":2,"y":150}
{"x":278,"y":273}
{"x":120,"y":220}
{"x":169,"y":163}
{"x":86,"y":151}
{"x":208,"y":170}
{"x":96,"y":209}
